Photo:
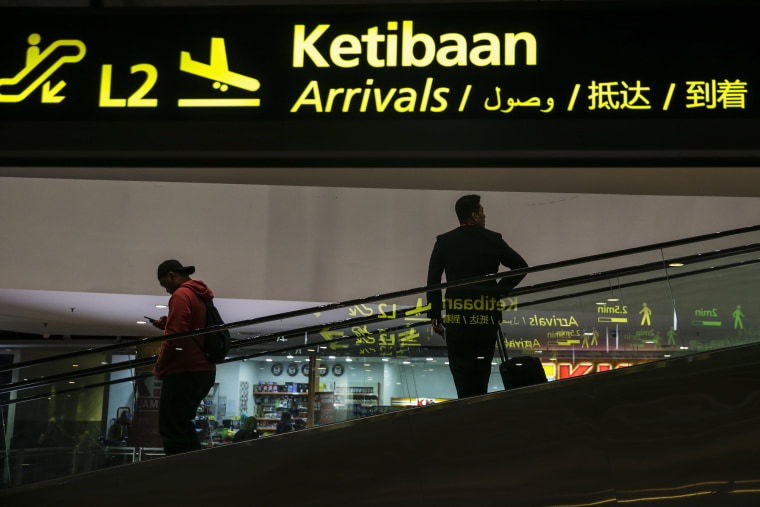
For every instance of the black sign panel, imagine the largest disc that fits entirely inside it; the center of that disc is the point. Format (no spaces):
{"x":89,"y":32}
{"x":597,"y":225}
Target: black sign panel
{"x":507,"y":84}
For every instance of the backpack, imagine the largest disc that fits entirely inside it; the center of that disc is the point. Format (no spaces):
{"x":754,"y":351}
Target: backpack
{"x":217,"y":342}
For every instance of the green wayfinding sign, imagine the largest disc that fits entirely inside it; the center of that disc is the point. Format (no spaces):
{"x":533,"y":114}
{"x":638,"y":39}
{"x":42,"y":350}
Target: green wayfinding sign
{"x":481,"y":84}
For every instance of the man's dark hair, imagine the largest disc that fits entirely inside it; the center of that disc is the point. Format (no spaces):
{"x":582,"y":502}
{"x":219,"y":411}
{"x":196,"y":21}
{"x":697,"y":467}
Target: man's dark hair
{"x":466,"y":206}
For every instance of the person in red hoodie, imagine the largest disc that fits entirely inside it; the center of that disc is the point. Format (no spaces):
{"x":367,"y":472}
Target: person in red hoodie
{"x":185,"y":374}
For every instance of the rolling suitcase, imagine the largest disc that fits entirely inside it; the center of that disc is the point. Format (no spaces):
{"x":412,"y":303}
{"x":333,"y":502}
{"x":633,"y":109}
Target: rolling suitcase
{"x":519,"y":371}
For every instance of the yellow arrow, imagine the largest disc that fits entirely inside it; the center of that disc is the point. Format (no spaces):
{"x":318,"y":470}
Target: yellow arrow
{"x":329,"y":335}
{"x":50,"y":96}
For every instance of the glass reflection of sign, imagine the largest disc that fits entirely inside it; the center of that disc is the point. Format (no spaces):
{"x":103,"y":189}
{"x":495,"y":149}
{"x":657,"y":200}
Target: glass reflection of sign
{"x":402,"y":341}
{"x":416,"y":402}
{"x":641,"y":326}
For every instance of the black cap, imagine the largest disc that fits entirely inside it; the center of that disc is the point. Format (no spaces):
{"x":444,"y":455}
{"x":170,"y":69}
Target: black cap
{"x":174,"y":265}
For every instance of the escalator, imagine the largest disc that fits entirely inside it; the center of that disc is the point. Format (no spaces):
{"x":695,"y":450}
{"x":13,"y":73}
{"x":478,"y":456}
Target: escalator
{"x":655,"y":399}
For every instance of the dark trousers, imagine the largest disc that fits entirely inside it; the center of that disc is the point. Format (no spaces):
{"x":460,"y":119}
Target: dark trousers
{"x":181,"y":393}
{"x":471,"y":350}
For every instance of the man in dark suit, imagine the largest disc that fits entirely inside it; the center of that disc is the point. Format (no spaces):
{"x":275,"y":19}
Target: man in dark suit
{"x":473,"y":312}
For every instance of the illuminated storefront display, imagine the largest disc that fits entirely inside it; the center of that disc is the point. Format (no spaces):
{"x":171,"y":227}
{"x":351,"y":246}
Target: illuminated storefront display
{"x":488,"y":77}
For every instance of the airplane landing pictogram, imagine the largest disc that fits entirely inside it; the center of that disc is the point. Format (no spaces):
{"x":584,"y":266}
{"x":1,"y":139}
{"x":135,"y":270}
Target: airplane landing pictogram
{"x":217,"y":70}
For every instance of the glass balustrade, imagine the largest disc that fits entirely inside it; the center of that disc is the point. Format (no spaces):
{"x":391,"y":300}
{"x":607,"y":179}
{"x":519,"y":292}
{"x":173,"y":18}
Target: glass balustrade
{"x":86,"y":406}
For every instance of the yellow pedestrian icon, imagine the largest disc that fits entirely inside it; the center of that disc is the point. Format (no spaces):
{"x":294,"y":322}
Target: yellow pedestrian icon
{"x":217,"y":70}
{"x":647,"y":313}
{"x":594,"y":334}
{"x":39,"y":68}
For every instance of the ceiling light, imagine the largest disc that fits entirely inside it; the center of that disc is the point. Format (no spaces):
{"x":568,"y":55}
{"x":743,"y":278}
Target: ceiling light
{"x":366,"y":364}
{"x":348,"y":359}
{"x":268,"y":360}
{"x":406,"y":362}
{"x":429,"y":359}
{"x":667,"y":355}
{"x":75,"y":365}
{"x":141,"y":322}
{"x":331,"y":357}
{"x":72,"y":382}
{"x":602,"y":303}
{"x":684,"y":348}
{"x":675,"y":264}
{"x":289,"y":356}
{"x":161,"y":306}
{"x":613,"y":299}
{"x":386,"y":359}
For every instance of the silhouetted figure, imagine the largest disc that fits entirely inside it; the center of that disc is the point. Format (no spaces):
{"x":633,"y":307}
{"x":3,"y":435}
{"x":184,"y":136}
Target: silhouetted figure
{"x":284,"y":425}
{"x":473,"y":312}
{"x":185,"y":373}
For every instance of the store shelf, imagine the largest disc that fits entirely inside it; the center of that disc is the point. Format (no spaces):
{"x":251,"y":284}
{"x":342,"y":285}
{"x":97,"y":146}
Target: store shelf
{"x":279,"y":394}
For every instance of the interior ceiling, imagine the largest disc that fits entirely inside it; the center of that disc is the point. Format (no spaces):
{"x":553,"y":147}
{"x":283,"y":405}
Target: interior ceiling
{"x":217,"y":3}
{"x":689,"y":181}
{"x":56,"y":314}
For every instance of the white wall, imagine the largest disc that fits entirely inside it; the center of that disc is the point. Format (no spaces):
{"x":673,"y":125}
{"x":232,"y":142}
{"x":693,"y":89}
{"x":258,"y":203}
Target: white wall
{"x":304,"y":243}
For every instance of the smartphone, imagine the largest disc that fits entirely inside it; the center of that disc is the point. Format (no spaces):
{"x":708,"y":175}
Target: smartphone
{"x":149,"y":319}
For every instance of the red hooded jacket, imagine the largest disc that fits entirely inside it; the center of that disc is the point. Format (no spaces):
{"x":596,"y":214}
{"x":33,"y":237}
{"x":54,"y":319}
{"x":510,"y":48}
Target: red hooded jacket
{"x":187,"y":312}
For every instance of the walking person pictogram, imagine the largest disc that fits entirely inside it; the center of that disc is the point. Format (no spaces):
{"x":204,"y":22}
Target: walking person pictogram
{"x":737,"y":315}
{"x":647,"y":313}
